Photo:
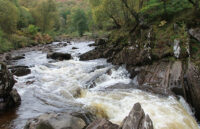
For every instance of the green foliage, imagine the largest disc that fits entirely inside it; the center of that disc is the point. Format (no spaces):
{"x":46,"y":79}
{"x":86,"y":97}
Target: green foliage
{"x":45,"y":15}
{"x":32,"y":29}
{"x":19,"y":41}
{"x":8,"y":16}
{"x":25,"y":18}
{"x":79,"y":21}
{"x":155,"y":9}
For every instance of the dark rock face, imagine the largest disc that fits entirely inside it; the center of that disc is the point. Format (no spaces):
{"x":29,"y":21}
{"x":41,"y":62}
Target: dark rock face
{"x":60,"y":121}
{"x":8,"y":96}
{"x":137,"y":119}
{"x":59,"y":56}
{"x":102,"y":124}
{"x":192,"y":88}
{"x":20,"y":70}
{"x":131,"y":56}
{"x":172,"y":78}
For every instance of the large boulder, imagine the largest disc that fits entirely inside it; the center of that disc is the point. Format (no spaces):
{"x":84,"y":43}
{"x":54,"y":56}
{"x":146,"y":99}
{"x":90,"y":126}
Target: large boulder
{"x":137,"y":119}
{"x":59,"y":121}
{"x":59,"y":56}
{"x":20,"y":70}
{"x":8,"y":96}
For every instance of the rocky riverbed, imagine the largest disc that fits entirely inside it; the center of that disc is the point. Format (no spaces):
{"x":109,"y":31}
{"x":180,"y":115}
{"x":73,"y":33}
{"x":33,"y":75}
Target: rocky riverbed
{"x":63,"y":92}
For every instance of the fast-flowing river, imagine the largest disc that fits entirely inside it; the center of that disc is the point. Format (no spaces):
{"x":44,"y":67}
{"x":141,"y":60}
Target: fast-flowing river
{"x":74,"y":85}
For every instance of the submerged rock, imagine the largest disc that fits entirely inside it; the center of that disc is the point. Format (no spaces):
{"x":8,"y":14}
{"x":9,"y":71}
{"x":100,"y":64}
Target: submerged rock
{"x":59,"y":121}
{"x":59,"y":56}
{"x":8,"y":96}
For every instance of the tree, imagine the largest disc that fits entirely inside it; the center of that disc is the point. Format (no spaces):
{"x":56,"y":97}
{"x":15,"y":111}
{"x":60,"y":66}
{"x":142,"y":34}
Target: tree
{"x":64,"y":14}
{"x":25,"y":18}
{"x":79,"y":21}
{"x":45,"y":14}
{"x":195,"y":3}
{"x":8,"y":16}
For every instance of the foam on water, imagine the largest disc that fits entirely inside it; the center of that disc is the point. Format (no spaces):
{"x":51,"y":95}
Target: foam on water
{"x":62,"y":86}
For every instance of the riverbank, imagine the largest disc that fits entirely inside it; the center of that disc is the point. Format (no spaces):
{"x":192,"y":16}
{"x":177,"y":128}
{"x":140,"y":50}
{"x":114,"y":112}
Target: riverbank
{"x":95,"y":86}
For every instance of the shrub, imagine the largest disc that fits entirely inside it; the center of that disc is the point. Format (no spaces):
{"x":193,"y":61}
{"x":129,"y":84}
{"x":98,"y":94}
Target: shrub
{"x":39,"y":38}
{"x":19,"y":41}
{"x":32,"y":29}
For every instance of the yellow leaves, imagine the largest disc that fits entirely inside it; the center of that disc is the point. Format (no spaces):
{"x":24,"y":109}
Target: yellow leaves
{"x":162,"y":23}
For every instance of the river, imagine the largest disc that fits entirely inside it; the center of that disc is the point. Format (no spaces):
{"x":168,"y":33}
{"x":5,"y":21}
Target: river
{"x":75,"y":85}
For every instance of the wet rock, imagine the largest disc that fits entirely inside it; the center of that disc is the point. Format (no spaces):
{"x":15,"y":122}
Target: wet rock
{"x":59,"y":121}
{"x":101,"y":51}
{"x":102,"y":124}
{"x":20,"y":70}
{"x":94,"y":54}
{"x":192,"y":88}
{"x":8,"y":96}
{"x":30,"y":82}
{"x":18,"y":57}
{"x":15,"y":96}
{"x":137,"y":119}
{"x":74,"y":48}
{"x":101,"y":41}
{"x":161,"y":77}
{"x":59,"y":56}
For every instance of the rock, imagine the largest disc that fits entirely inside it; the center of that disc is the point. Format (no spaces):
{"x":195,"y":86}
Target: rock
{"x":15,"y":96}
{"x":102,"y":124}
{"x":192,"y":88}
{"x":18,"y":57}
{"x":59,"y":56}
{"x":195,"y":33}
{"x":171,"y":78}
{"x":94,"y":54}
{"x":74,"y":48}
{"x":20,"y":70}
{"x":160,"y":77}
{"x":101,"y":41}
{"x":132,"y":56}
{"x":58,"y":121}
{"x":8,"y":96}
{"x":137,"y":119}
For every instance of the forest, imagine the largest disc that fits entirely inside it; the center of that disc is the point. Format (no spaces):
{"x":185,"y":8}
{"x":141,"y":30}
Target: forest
{"x":27,"y":22}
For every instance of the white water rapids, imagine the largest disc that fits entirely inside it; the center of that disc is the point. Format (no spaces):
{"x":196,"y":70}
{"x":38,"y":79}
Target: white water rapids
{"x":62,"y":86}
